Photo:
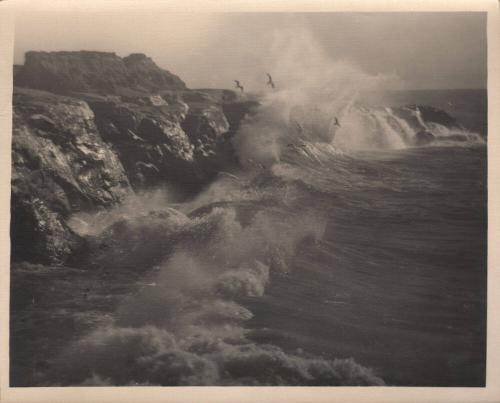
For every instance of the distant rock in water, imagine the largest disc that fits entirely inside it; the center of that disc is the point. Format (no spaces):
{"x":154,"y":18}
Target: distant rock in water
{"x":98,"y":72}
{"x":434,"y":115}
{"x":414,"y":115}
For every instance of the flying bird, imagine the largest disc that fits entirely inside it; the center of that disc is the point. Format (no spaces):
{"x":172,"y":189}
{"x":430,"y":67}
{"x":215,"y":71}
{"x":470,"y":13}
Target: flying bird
{"x":270,"y":81}
{"x":238,"y":85}
{"x":337,"y":122}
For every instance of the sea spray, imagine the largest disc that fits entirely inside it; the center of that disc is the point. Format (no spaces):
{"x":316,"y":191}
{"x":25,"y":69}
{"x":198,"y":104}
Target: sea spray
{"x":188,"y":329}
{"x":313,"y":97}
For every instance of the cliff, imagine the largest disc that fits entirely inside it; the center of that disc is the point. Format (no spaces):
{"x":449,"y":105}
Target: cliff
{"x":105,"y":127}
{"x":98,"y":72}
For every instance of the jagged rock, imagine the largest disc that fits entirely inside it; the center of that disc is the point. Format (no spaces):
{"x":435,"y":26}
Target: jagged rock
{"x":66,"y":149}
{"x":98,"y":72}
{"x":39,"y":234}
{"x":167,"y":134}
{"x":186,"y":139}
{"x":148,"y":135}
{"x":60,"y":165}
{"x":205,"y":126}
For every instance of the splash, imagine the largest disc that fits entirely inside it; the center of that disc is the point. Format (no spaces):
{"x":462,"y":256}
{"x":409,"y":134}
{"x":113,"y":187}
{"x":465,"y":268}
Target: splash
{"x":152,"y":356}
{"x":187,"y":327}
{"x":135,"y":205}
{"x":313,"y":94}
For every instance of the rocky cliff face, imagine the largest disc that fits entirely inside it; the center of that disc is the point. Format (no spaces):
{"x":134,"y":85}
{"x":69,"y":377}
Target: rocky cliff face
{"x":121,"y":125}
{"x":60,"y":165}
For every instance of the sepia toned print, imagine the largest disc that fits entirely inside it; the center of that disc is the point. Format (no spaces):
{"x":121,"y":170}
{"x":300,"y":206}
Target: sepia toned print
{"x":285,"y":199}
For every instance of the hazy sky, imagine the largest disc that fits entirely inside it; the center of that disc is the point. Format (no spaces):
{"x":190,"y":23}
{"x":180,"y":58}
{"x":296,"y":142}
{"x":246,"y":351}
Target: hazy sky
{"x":424,"y":50}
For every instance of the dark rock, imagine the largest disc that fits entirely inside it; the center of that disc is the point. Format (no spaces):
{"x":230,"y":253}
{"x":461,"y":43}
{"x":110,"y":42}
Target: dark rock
{"x":69,"y":152}
{"x":39,"y":234}
{"x":428,"y":115}
{"x":42,"y":122}
{"x":186,"y":142}
{"x":60,"y":165}
{"x":205,"y":126}
{"x":166,"y":133}
{"x":457,"y":137}
{"x":424,"y":137}
{"x":434,"y":115}
{"x":148,"y":135}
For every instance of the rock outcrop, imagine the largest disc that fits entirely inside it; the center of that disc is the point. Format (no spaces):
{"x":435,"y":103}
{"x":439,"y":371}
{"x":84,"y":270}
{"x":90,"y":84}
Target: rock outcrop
{"x":60,"y":165}
{"x":107,"y":127}
{"x":147,"y":138}
{"x":427,"y":114}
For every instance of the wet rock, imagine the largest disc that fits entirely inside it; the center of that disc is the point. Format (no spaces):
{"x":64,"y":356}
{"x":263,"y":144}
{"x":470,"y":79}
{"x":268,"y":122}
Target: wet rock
{"x":69,"y":151}
{"x":434,"y":115}
{"x":39,"y":234}
{"x":145,"y":135}
{"x":427,"y":114}
{"x":205,"y":126}
{"x":122,"y":123}
{"x":60,"y":165}
{"x":186,"y":138}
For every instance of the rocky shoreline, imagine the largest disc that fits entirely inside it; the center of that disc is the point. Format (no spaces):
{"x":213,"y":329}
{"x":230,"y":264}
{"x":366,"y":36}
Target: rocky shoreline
{"x":90,"y":128}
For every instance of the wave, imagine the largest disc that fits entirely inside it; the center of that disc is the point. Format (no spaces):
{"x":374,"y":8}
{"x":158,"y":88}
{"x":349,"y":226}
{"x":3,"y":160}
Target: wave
{"x":203,"y":259}
{"x":201,"y":262}
{"x":153,"y":356}
{"x":187,"y":327}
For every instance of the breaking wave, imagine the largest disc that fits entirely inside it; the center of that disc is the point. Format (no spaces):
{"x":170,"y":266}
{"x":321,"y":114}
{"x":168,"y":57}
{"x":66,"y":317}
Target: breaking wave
{"x":187,"y":326}
{"x":202,"y":260}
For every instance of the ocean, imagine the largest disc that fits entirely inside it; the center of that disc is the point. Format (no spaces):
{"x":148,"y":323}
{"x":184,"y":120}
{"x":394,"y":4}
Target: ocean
{"x":338,"y":254}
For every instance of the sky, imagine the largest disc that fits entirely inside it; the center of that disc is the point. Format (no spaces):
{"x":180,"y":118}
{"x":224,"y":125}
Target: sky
{"x":417,"y":50}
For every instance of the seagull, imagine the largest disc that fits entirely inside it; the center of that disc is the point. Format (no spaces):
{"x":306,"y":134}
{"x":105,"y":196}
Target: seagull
{"x":270,"y":81}
{"x":238,"y":85}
